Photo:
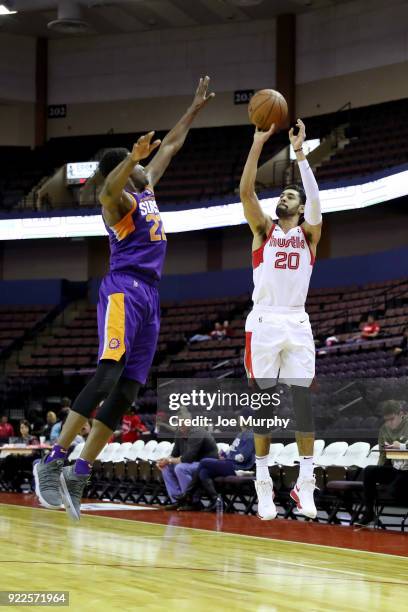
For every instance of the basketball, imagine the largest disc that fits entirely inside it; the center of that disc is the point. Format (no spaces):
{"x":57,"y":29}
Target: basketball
{"x":267,"y":106}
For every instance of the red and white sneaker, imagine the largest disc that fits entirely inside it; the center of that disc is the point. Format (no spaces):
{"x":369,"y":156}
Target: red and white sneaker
{"x":266,"y":508}
{"x":302,"y":494}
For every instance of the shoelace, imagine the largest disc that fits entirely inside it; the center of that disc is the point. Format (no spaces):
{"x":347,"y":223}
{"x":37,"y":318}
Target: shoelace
{"x":50,"y":478}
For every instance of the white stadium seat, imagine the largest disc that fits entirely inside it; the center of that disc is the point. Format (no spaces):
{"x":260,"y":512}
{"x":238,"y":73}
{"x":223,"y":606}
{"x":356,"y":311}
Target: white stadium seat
{"x":274,"y":451}
{"x":289,"y":455}
{"x":122,"y":452}
{"x":372,"y":457}
{"x":355,"y":455}
{"x":137,"y":448}
{"x":148,"y":450}
{"x":331,"y":454}
{"x":162,"y":451}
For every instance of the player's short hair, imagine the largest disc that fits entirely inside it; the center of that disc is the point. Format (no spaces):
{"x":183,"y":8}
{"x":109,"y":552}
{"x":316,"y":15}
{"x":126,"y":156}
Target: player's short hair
{"x":390,"y":407}
{"x":300,"y":191}
{"x":112,"y":158}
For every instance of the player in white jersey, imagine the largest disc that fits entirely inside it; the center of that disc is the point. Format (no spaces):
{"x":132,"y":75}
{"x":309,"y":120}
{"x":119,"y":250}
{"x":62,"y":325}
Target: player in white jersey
{"x":279,"y":340}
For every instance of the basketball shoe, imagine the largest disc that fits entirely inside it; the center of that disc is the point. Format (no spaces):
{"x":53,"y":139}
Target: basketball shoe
{"x":72,"y":488}
{"x":266,"y":507}
{"x":302,"y":494}
{"x":47,"y":483}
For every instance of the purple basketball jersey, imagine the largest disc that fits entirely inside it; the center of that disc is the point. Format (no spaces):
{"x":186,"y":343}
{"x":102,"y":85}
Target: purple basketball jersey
{"x":138,"y":242}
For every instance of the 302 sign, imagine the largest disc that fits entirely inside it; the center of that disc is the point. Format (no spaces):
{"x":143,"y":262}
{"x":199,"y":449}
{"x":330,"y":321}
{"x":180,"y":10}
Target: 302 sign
{"x":57,"y":111}
{"x":243,"y":96}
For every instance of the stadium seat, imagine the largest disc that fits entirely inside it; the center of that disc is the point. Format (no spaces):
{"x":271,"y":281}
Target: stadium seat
{"x":332,"y":454}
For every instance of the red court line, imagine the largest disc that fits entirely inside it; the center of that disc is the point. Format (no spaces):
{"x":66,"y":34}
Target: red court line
{"x":370,"y":540}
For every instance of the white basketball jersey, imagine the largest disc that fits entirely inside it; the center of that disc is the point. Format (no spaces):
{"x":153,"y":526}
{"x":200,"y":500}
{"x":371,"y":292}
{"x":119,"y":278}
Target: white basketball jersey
{"x":282,"y":268}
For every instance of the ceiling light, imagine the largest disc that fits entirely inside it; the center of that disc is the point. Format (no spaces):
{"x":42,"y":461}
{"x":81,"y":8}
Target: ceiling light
{"x":5,"y":11}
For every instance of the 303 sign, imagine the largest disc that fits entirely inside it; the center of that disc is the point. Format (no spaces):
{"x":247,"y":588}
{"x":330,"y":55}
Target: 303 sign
{"x":243,"y":96}
{"x":57,"y":111}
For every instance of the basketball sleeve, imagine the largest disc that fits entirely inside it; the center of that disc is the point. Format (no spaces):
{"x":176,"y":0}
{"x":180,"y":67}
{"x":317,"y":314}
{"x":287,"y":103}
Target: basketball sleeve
{"x":313,"y":212}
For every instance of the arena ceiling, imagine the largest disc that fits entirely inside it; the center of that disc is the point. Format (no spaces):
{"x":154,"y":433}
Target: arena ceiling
{"x":124,"y":16}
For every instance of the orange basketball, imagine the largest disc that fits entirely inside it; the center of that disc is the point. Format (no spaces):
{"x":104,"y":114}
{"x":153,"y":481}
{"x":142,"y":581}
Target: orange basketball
{"x":267,"y":106}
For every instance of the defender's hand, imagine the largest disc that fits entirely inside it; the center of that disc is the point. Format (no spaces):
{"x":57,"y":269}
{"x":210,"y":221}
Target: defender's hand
{"x":143,"y":147}
{"x":261,"y":136}
{"x":201,"y":98}
{"x":298,"y":140}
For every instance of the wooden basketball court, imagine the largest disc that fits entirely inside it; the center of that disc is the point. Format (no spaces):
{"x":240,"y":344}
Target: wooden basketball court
{"x":153,"y":560}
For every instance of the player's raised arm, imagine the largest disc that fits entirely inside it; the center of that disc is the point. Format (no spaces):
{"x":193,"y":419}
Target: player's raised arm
{"x":113,"y":196}
{"x":174,"y":140}
{"x":257,"y":220}
{"x":313,"y":213}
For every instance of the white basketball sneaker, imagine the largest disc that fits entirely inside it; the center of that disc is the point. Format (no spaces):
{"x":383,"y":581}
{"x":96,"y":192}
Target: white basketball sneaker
{"x":266,"y":508}
{"x":302,"y":494}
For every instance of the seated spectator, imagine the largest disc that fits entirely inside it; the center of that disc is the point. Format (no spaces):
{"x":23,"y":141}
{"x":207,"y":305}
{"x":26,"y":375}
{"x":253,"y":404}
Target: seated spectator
{"x":6,"y":429}
{"x":392,"y":435}
{"x":241,"y":456}
{"x":229,"y":332}
{"x":401,"y":350}
{"x":25,"y":434}
{"x":56,"y":429}
{"x":331,"y":341}
{"x":51,"y":420}
{"x":17,"y":468}
{"x":191,"y":444}
{"x":132,"y":428}
{"x":219,"y":332}
{"x":371,"y":329}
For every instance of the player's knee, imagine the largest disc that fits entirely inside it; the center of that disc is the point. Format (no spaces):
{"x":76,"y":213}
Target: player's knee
{"x":118,"y":402}
{"x":107,"y":375}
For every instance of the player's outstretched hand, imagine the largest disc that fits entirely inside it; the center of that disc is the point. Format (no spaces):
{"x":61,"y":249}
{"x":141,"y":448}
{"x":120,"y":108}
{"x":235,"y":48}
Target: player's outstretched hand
{"x":200,"y":97}
{"x":298,"y":140}
{"x":261,"y":136}
{"x":143,"y":147}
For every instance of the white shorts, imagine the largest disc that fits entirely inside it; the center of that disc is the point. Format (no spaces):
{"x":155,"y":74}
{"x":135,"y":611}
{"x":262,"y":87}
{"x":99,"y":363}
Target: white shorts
{"x":279,"y":344}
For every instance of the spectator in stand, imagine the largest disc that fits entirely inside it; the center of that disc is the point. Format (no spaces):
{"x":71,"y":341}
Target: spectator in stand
{"x":6,"y":429}
{"x":392,"y":435}
{"x":25,"y":434}
{"x":229,"y":332}
{"x":56,"y":429}
{"x":218,"y":333}
{"x":201,"y":337}
{"x":18,"y":467}
{"x":51,"y":420}
{"x":401,"y":350}
{"x":191,"y":444}
{"x":371,"y":329}
{"x":132,"y":428}
{"x":240,"y":456}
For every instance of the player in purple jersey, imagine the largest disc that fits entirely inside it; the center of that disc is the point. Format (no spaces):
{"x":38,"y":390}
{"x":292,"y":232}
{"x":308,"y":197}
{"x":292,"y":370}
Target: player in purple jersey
{"x":128,"y":308}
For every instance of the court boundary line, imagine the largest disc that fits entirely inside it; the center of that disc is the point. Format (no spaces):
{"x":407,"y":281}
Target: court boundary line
{"x":229,"y":533}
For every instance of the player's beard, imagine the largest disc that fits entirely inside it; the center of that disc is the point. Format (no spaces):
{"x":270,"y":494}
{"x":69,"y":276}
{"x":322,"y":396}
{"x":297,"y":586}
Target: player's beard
{"x":282,"y":212}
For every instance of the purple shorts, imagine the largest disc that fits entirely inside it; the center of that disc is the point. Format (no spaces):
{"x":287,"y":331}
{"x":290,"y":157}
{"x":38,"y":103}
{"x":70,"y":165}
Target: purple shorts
{"x":128,"y":323}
